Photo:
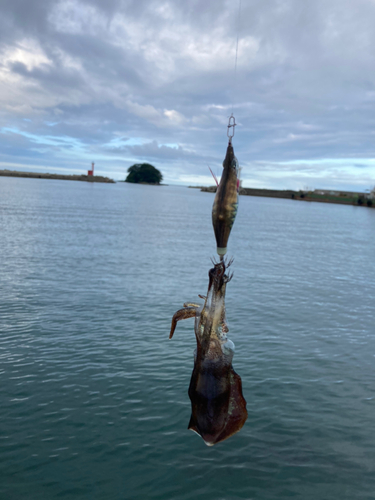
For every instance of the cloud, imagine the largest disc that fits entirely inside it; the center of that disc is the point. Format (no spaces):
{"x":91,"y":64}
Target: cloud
{"x":166,"y":118}
{"x":153,"y":150}
{"x":164,"y":73}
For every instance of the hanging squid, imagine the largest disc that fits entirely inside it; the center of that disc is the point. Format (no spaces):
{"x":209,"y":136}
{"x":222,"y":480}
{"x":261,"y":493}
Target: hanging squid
{"x":217,"y":404}
{"x":225,"y":205}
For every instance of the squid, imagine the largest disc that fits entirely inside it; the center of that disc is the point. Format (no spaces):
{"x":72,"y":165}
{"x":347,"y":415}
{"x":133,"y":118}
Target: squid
{"x":218,"y":408}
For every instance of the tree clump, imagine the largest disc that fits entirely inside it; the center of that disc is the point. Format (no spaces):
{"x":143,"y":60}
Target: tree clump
{"x":144,"y":173}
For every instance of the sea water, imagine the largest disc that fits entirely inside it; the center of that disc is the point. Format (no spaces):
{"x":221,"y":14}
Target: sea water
{"x":93,"y":395}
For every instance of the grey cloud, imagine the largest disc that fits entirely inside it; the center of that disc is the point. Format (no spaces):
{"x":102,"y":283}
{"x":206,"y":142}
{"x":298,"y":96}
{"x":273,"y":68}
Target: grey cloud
{"x":51,"y":76}
{"x":154,"y":150}
{"x":162,"y":154}
{"x":164,"y":73}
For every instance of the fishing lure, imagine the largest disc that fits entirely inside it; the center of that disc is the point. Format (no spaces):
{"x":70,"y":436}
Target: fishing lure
{"x":218,"y":408}
{"x":225,"y":205}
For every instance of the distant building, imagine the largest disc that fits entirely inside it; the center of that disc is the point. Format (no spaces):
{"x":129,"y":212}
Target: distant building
{"x":91,"y":172}
{"x":342,"y":194}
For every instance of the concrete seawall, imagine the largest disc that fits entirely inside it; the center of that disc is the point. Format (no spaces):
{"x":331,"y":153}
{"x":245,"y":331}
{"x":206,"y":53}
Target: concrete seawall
{"x":268,"y":193}
{"x":341,"y":198}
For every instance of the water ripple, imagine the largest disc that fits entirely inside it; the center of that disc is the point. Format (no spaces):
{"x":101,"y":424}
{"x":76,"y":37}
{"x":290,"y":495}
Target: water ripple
{"x":94,"y":396}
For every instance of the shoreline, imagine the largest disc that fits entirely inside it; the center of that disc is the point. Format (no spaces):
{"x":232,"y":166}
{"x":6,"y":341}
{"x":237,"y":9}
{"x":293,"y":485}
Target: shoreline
{"x":338,"y":197}
{"x":41,"y":175}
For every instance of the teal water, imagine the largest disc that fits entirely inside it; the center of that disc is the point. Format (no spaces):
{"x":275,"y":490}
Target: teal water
{"x":93,"y":395}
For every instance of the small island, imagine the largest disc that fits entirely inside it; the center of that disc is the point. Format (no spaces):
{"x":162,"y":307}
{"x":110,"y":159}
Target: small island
{"x":144,"y":173}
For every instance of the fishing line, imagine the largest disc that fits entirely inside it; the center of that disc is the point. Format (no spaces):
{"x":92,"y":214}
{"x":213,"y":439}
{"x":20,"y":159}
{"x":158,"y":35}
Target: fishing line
{"x":236,"y":57}
{"x":232,"y":122}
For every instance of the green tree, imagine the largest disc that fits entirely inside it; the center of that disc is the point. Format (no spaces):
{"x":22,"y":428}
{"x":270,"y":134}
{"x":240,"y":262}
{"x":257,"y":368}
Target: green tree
{"x":144,"y":172}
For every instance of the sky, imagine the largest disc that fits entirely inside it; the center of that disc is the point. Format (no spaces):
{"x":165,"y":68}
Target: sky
{"x":118,"y":82}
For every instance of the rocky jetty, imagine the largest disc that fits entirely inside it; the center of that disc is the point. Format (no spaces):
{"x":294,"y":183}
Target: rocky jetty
{"x":42,"y":175}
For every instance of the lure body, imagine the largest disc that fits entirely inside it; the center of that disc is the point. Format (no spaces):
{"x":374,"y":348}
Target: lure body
{"x":225,"y":205}
{"x":217,"y":403}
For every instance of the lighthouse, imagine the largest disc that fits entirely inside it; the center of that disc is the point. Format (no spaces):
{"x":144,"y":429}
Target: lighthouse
{"x":91,"y":172}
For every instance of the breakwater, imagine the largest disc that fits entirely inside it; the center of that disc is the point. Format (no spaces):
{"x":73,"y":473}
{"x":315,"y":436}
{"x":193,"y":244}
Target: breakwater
{"x":339,"y":197}
{"x":41,"y":175}
{"x":269,"y":193}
